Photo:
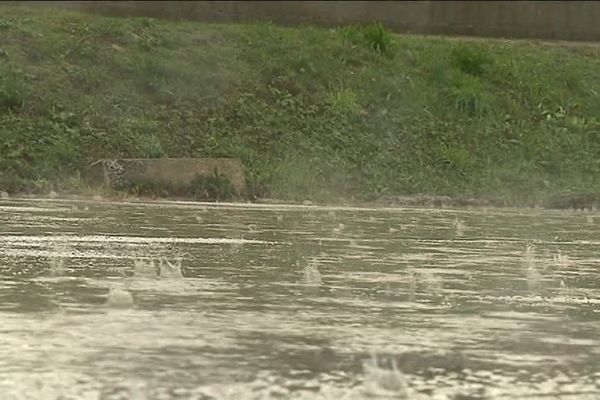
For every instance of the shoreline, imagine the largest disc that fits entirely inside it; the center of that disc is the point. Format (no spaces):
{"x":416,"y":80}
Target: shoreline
{"x":566,"y":203}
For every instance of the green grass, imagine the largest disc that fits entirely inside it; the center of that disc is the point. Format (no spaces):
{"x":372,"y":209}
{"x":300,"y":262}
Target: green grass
{"x":313,"y":113}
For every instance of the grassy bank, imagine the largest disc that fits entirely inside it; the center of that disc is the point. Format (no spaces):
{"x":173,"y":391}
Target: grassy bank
{"x":313,"y":113}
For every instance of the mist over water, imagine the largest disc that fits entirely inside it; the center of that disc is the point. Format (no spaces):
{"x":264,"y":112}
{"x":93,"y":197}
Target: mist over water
{"x":181,"y":300}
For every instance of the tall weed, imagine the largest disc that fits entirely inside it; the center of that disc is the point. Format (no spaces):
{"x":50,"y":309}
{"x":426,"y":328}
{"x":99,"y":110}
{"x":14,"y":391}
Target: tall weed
{"x":373,"y":36}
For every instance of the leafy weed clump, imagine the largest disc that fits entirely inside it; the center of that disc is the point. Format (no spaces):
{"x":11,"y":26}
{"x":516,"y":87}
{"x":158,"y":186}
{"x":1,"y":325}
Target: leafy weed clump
{"x":5,"y":24}
{"x":374,"y":36}
{"x":344,"y":102}
{"x":468,"y":95}
{"x":151,"y":147}
{"x":469,"y":59}
{"x":212,"y":187}
{"x":12,"y":91}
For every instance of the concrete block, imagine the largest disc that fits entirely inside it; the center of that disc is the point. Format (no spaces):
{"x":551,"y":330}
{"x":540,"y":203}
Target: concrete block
{"x":123,"y":173}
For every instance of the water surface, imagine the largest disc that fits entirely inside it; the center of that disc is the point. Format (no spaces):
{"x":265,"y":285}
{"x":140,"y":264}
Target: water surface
{"x":166,"y":300}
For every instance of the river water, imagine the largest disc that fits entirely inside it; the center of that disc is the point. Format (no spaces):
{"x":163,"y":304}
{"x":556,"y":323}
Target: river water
{"x":175,"y":300}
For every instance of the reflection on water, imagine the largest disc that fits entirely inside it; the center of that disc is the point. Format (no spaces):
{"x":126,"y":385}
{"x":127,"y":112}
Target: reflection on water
{"x":180,"y":300}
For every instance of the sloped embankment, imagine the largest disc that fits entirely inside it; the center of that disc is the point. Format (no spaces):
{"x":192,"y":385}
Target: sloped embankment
{"x":313,"y":113}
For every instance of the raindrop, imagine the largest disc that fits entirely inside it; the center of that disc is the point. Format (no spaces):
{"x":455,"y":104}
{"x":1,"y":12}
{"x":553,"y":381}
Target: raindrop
{"x":561,"y":260}
{"x":459,"y":227}
{"x":311,"y":274}
{"x":236,"y":247}
{"x":337,"y":230}
{"x":119,"y":298}
{"x":434,"y":284}
{"x":144,"y":268}
{"x":57,"y":266}
{"x":58,"y":261}
{"x":381,"y":382}
{"x":534,"y":278}
{"x":170,"y":269}
{"x":138,"y":391}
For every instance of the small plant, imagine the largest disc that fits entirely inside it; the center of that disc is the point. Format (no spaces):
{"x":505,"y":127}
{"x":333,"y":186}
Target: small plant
{"x":374,"y":36}
{"x":212,"y":187}
{"x":64,"y":153}
{"x":378,"y":38}
{"x":5,"y":24}
{"x":11,"y":183}
{"x":468,"y":100}
{"x":12,"y":92}
{"x":467,"y":95}
{"x":151,"y":148}
{"x":456,"y":158}
{"x":469,"y":59}
{"x":344,"y":102}
{"x":300,"y":178}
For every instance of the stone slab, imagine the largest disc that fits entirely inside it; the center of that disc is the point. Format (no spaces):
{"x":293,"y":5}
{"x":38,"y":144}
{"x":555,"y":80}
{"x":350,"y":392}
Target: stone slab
{"x":119,"y":173}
